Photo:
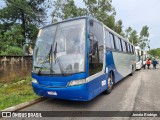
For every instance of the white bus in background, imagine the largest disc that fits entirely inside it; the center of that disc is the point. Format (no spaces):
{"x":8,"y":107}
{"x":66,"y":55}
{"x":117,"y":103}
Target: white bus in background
{"x":139,"y":57}
{"x":145,"y":57}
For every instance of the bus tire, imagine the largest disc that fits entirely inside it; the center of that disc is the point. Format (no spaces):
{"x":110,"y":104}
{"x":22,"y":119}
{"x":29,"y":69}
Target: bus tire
{"x":110,"y":84}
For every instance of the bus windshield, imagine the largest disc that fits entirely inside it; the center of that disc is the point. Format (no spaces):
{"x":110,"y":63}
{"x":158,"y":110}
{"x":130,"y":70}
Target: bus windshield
{"x":60,"y":48}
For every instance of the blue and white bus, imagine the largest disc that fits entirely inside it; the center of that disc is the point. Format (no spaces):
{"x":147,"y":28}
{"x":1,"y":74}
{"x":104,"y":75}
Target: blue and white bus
{"x":79,"y":58}
{"x":139,"y":57}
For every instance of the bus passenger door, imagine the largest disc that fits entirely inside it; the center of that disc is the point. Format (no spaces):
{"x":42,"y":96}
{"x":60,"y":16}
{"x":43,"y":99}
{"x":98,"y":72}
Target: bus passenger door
{"x":96,"y":48}
{"x":96,"y":56}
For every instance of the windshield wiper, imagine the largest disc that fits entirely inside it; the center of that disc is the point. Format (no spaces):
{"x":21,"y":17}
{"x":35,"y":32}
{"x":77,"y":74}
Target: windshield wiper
{"x":48,"y":56}
{"x":59,"y":61}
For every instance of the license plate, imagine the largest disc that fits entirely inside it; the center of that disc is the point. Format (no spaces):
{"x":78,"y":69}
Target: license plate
{"x":52,"y":93}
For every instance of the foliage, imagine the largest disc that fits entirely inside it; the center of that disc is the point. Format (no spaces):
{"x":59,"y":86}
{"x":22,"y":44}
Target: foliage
{"x":132,"y":36}
{"x":138,"y":40}
{"x":25,"y":12}
{"x":99,"y":9}
{"x":118,"y":28}
{"x":64,"y":9}
{"x":10,"y":50}
{"x":19,"y":19}
{"x":102,"y":10}
{"x":143,"y":40}
{"x":11,"y":41}
{"x":155,"y":52}
{"x":128,"y":32}
{"x":12,"y":36}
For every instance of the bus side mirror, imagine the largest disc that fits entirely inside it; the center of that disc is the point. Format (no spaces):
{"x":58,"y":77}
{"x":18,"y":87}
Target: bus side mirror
{"x":27,"y":49}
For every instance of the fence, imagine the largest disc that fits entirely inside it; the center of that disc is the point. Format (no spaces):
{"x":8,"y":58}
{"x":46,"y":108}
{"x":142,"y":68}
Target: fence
{"x":14,"y":67}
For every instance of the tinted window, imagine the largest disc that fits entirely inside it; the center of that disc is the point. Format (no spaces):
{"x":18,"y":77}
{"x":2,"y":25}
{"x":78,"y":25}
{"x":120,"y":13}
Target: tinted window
{"x":121,"y":44}
{"x":118,"y":44}
{"x":112,"y":40}
{"x":124,"y":46}
{"x":133,"y":49}
{"x":96,"y":48}
{"x":108,"y":40}
{"x":129,"y":50}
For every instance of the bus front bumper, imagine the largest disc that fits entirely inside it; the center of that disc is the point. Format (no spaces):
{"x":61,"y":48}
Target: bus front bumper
{"x":77,"y":93}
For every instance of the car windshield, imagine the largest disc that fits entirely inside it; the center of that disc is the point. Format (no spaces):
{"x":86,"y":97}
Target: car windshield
{"x":60,"y":48}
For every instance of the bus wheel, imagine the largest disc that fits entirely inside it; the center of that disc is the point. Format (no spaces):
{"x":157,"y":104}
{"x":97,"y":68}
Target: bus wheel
{"x":110,"y":84}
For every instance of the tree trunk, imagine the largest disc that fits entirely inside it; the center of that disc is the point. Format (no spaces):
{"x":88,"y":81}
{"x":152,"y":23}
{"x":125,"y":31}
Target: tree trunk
{"x":23,"y":26}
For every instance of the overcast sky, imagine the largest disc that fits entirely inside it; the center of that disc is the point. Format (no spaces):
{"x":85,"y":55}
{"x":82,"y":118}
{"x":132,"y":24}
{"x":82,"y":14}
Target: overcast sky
{"x":137,"y":13}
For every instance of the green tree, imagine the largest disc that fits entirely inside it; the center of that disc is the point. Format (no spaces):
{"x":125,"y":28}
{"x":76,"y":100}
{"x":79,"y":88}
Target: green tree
{"x":64,"y":9}
{"x":110,"y":22}
{"x":155,"y":52}
{"x":11,"y":41}
{"x":99,"y":9}
{"x":128,"y":32}
{"x":25,"y":12}
{"x":118,"y":28}
{"x":132,"y":36}
{"x":143,"y":40}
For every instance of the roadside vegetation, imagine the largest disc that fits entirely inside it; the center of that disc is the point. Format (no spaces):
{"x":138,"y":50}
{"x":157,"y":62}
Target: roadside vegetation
{"x":15,"y":93}
{"x":21,"y":19}
{"x":155,"y":53}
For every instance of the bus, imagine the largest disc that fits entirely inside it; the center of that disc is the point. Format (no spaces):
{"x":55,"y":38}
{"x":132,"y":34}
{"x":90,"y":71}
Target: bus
{"x":145,"y":57}
{"x":79,"y":58}
{"x":139,"y":57}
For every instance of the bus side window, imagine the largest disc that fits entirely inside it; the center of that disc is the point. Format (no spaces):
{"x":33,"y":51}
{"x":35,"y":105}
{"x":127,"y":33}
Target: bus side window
{"x":96,"y":48}
{"x":118,"y":45}
{"x":108,"y":40}
{"x":124,"y":46}
{"x":112,"y":41}
{"x":133,"y":50}
{"x":129,"y":50}
{"x":121,"y":44}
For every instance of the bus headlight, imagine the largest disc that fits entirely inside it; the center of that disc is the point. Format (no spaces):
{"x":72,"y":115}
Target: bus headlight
{"x":77,"y":82}
{"x":34,"y":81}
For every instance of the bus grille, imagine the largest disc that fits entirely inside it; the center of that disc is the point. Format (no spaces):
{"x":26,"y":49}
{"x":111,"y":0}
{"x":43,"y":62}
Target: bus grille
{"x":53,"y":84}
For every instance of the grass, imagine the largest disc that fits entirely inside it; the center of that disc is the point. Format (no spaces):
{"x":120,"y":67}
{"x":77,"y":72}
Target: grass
{"x":16,"y":93}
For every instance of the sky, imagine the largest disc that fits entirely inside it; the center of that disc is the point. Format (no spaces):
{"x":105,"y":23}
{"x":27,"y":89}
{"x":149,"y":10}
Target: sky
{"x":136,"y":14}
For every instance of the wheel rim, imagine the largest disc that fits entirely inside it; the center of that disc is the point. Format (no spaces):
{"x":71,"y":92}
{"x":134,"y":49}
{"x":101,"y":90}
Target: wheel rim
{"x":110,"y":83}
